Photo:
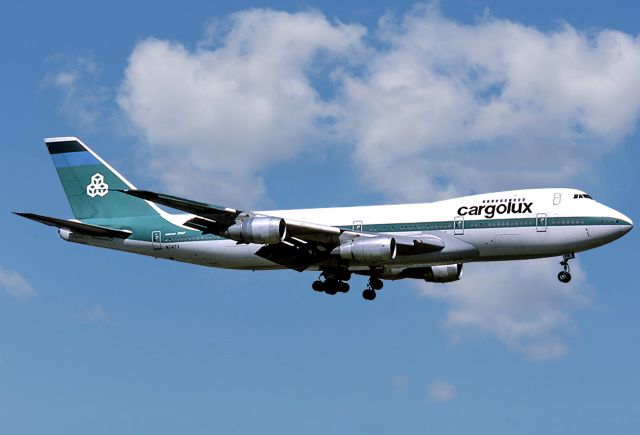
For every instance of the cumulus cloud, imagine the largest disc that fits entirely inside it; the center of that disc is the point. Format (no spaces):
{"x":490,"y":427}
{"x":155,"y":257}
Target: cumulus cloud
{"x":213,"y":117}
{"x":444,"y":108}
{"x":441,"y":391}
{"x":428,"y":107}
{"x":83,"y":100}
{"x":520,"y":303}
{"x":15,"y":285}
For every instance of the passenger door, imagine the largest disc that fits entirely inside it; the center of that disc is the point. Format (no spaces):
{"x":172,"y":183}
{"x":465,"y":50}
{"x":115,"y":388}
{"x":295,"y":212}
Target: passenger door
{"x":458,"y":225}
{"x":156,"y":239}
{"x":541,"y":222}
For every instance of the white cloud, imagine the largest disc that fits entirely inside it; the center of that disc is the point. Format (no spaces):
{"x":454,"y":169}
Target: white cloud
{"x":521,"y":303}
{"x":447,"y":108}
{"x":226,"y":112}
{"x":429,"y":107}
{"x":441,"y":391}
{"x":83,"y":99}
{"x":432,"y":107}
{"x":15,"y":285}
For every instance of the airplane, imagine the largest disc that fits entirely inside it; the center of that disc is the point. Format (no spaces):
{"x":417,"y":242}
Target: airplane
{"x":429,"y":241}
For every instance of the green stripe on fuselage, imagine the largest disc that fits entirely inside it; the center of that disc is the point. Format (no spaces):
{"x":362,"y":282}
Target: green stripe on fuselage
{"x":143,"y":226}
{"x":470,"y":224}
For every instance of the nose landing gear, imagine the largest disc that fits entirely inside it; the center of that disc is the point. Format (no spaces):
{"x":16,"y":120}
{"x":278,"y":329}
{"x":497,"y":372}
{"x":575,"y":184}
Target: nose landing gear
{"x":565,"y":276}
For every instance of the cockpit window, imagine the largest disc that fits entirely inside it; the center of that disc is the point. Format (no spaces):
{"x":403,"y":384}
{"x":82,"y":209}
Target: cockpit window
{"x":582,"y":195}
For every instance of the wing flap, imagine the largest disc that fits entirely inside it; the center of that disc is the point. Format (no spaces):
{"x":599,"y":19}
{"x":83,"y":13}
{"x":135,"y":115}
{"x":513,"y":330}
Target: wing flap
{"x":323,"y":234}
{"x":207,"y":226}
{"x":78,"y":227}
{"x":423,"y":244}
{"x":294,"y":254}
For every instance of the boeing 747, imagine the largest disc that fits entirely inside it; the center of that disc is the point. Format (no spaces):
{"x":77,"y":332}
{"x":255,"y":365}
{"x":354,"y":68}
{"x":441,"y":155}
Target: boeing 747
{"x":428,"y":241}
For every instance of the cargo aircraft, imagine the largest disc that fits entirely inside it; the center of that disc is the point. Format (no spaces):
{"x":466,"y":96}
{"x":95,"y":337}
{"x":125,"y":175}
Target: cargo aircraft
{"x":428,"y":241}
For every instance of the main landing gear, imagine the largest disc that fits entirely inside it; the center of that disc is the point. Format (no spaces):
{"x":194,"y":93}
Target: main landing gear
{"x":370,"y":292}
{"x":332,"y":283}
{"x":565,"y":276}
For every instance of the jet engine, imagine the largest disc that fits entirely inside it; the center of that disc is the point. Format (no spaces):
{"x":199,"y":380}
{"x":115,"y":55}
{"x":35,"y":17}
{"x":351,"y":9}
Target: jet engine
{"x":444,"y":273}
{"x":262,"y":230}
{"x":377,"y":249}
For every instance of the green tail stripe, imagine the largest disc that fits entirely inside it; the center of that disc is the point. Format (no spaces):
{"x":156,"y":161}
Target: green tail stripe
{"x":91,"y":184}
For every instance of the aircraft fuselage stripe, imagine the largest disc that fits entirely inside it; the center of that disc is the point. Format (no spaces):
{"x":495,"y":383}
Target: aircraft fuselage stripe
{"x":470,"y":224}
{"x":143,"y":232}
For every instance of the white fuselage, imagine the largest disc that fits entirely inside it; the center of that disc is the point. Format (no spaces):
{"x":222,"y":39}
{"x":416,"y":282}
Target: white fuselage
{"x":509,"y":225}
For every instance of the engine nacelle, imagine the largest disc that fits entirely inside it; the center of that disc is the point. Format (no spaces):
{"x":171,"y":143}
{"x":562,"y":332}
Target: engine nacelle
{"x":377,"y":249}
{"x":261,"y":230}
{"x":445,"y":273}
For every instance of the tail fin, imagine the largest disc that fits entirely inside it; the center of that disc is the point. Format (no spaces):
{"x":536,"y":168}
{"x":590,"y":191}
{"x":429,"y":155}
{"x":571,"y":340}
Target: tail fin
{"x":91,"y":184}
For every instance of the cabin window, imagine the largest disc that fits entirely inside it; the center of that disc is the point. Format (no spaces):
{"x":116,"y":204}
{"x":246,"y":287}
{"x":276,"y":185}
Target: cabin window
{"x":582,"y":195}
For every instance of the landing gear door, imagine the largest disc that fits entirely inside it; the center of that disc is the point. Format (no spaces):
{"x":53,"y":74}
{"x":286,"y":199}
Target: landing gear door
{"x":458,"y":225}
{"x":156,"y":240}
{"x":541,"y":222}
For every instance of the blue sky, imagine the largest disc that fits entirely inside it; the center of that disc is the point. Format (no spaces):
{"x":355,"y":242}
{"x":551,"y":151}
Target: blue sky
{"x":303,"y":105}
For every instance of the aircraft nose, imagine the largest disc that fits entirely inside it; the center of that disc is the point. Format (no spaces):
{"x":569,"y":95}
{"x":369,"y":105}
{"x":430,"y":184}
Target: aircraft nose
{"x":626,"y":224}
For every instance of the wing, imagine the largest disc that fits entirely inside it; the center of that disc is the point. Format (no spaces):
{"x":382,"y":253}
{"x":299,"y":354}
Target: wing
{"x":305,"y":243}
{"x":210,"y":212}
{"x":78,"y":227}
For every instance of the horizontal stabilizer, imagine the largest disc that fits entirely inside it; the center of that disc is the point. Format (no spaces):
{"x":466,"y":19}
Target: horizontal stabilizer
{"x":77,"y":227}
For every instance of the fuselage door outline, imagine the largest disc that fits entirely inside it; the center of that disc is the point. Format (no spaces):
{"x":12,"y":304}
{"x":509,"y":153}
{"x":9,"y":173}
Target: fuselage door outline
{"x":557,"y":197}
{"x":541,"y":222}
{"x":156,"y":239}
{"x":458,"y":225}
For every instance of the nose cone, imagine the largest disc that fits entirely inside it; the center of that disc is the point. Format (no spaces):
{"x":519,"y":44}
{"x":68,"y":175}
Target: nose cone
{"x":622,"y":222}
{"x":611,"y":226}
{"x":627,"y":226}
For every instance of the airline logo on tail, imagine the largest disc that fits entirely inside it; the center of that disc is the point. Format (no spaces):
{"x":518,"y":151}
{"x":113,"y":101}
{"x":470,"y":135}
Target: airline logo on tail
{"x":97,"y":186}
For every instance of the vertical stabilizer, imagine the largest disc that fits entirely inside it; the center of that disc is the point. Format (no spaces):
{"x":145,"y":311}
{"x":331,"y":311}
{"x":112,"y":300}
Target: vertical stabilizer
{"x":91,"y":184}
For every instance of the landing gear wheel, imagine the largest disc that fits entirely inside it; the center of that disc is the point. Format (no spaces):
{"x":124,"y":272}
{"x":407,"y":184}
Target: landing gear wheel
{"x":369,"y":294}
{"x":564,"y":277}
{"x":331,"y":286}
{"x":343,"y":287}
{"x":318,"y":286}
{"x":376,"y":284}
